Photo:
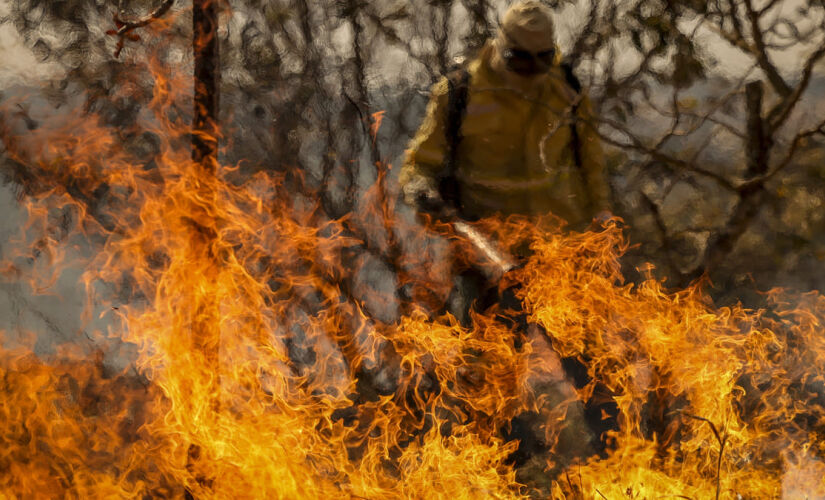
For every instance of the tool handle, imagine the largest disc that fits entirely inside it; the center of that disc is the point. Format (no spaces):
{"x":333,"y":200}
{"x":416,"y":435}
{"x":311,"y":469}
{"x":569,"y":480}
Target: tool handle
{"x":492,"y":260}
{"x":436,"y":207}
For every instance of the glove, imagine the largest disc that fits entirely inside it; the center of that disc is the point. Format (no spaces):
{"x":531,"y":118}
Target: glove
{"x":422,"y":193}
{"x":600,"y":220}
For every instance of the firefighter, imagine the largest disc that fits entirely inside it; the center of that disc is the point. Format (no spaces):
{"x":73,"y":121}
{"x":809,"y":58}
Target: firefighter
{"x":510,"y":133}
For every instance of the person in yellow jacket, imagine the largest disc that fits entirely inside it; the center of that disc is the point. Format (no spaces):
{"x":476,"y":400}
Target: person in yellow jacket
{"x":512,"y":134}
{"x":526,"y":142}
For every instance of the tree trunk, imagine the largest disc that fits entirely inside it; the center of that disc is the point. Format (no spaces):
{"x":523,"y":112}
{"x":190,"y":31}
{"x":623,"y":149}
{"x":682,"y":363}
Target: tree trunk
{"x":207,"y":81}
{"x":758,"y":144}
{"x":205,"y":332}
{"x":758,"y":149}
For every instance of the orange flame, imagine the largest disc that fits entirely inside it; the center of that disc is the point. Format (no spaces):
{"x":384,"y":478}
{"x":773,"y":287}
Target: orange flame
{"x":252,"y":353}
{"x":375,"y":125}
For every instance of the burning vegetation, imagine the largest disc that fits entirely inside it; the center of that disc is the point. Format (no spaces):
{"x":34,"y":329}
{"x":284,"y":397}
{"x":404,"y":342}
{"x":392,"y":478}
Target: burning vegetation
{"x":261,"y":370}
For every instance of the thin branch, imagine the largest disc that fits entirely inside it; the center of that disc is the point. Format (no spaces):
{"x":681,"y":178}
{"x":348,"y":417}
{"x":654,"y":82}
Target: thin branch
{"x":703,"y":118}
{"x":722,"y":440}
{"x":781,"y":111}
{"x":708,"y":116}
{"x":481,"y":29}
{"x":580,"y":44}
{"x":770,"y":5}
{"x":676,"y":118}
{"x":392,"y":36}
{"x":442,"y":35}
{"x":637,"y":145}
{"x":125,"y":27}
{"x":699,"y":150}
{"x":732,"y":38}
{"x":662,"y":228}
{"x":644,"y":66}
{"x":794,"y":33}
{"x":569,"y":482}
{"x":761,"y":53}
{"x":819,"y":129}
{"x":739,"y":33}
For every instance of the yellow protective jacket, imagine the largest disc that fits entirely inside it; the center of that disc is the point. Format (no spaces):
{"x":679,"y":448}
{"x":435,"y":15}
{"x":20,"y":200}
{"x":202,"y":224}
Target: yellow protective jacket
{"x":515,"y":155}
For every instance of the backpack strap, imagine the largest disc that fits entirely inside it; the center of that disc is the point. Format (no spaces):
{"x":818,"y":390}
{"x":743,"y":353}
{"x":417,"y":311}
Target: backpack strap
{"x":575,"y":84}
{"x":458,"y":83}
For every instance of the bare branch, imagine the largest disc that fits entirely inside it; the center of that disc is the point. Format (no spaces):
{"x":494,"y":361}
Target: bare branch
{"x":759,"y":138}
{"x":709,"y":115}
{"x":676,"y":118}
{"x":581,"y":41}
{"x":768,"y":6}
{"x":481,"y":29}
{"x":739,"y":35}
{"x":125,"y":27}
{"x":732,"y":38}
{"x":781,"y":111}
{"x":819,"y":129}
{"x":661,"y":226}
{"x":722,"y":440}
{"x":761,"y":53}
{"x":699,"y":150}
{"x":636,"y":144}
{"x":393,"y":37}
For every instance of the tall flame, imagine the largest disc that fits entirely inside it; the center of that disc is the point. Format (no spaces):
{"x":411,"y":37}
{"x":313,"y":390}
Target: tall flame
{"x":252,"y":353}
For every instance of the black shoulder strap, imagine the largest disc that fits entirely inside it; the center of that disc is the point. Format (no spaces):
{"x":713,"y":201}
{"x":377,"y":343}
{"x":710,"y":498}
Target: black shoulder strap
{"x":575,"y":84}
{"x":570,"y":77}
{"x":458,"y":83}
{"x":457,"y":87}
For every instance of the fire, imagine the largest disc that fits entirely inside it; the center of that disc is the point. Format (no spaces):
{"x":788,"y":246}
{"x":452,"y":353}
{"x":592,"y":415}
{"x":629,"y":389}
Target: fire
{"x":252,"y":354}
{"x":730,"y":381}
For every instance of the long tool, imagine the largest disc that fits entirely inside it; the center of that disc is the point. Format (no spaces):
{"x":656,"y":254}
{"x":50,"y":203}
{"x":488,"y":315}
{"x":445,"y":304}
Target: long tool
{"x":498,"y":262}
{"x":495,"y":263}
{"x":490,"y":258}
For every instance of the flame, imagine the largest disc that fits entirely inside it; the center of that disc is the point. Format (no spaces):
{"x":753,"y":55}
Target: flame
{"x":375,"y":124}
{"x":252,"y":351}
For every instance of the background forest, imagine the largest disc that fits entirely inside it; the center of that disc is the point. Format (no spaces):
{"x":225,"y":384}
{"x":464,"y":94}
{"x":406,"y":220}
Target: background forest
{"x":711,"y":111}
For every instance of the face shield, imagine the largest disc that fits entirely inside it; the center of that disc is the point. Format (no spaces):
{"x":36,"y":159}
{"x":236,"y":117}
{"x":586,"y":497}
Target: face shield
{"x":525,"y":41}
{"x":526,"y":63}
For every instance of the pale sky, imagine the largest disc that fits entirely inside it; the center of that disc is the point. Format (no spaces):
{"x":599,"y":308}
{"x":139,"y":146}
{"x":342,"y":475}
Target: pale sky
{"x":20,"y":64}
{"x":732,"y":61}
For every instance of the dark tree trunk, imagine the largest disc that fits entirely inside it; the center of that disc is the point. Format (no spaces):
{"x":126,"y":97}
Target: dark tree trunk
{"x":206,"y":337}
{"x":206,"y":81}
{"x":751,"y":195}
{"x":758,"y":141}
